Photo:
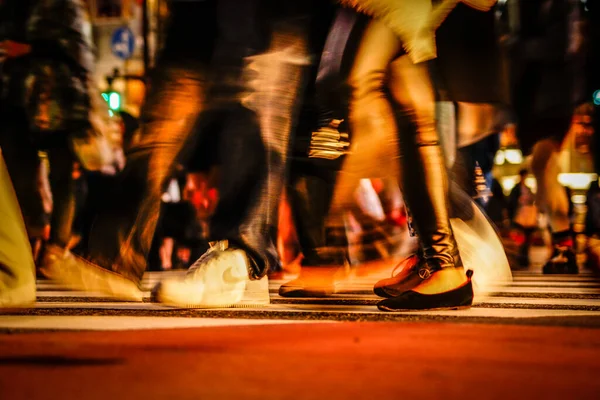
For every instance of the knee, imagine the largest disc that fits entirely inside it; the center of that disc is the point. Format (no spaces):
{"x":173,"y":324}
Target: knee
{"x":423,"y":119}
{"x":367,"y":85}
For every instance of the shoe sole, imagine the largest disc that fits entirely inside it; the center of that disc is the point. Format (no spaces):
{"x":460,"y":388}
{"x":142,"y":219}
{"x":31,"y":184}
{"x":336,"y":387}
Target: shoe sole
{"x":244,"y":303}
{"x":454,"y":308}
{"x":207,"y":307}
{"x":256,"y":295}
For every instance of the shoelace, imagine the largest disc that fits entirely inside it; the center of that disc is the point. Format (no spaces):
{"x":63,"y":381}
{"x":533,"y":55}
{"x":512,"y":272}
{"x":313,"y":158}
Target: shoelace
{"x":213,"y":251}
{"x":414,"y":257}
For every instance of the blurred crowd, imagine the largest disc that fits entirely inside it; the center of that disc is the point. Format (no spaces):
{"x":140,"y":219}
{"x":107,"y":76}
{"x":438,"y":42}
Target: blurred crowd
{"x":335,"y":134}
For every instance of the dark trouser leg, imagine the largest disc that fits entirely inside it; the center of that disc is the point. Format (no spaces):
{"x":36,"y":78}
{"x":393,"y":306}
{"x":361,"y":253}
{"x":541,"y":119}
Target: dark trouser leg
{"x":424,"y":180}
{"x":315,"y":170}
{"x":424,"y":175}
{"x":310,"y":197}
{"x":23,"y":165}
{"x":276,"y":85}
{"x":63,"y":193}
{"x":122,"y":233}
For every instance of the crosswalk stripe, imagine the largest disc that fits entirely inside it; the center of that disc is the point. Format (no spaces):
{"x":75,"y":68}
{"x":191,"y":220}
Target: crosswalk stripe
{"x":478,"y":312}
{"x":528,"y":296}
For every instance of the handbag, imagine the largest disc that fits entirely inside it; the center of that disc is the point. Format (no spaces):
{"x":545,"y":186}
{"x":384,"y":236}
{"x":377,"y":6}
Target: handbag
{"x":527,"y":216}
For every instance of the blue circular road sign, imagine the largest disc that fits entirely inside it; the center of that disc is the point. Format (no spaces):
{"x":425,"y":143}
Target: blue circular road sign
{"x":596,"y":97}
{"x":123,"y":43}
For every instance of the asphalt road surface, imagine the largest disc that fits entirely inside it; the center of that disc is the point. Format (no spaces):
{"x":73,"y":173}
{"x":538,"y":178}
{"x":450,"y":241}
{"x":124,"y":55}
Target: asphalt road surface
{"x":536,"y":338}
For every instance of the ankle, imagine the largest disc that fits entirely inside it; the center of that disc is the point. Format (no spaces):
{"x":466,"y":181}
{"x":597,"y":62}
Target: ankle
{"x":443,"y":280}
{"x":563,"y":239}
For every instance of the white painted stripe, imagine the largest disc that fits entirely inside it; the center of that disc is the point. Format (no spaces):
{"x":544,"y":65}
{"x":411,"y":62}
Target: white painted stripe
{"x":548,"y":290}
{"x":109,"y":323}
{"x":556,"y":278}
{"x":538,"y":273}
{"x":104,"y":305}
{"x":69,"y":294}
{"x":539,"y":302}
{"x":590,"y":284}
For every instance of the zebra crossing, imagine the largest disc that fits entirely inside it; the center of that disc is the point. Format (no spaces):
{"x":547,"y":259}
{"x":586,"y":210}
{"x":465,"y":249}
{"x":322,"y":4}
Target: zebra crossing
{"x":531,"y":297}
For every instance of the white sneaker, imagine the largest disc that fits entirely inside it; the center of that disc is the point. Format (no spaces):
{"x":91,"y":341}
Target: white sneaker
{"x":219,"y":279}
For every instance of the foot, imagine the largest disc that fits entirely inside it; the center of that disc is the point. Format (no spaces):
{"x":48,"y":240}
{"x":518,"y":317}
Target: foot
{"x":408,"y":273}
{"x":219,"y":279}
{"x":19,"y":296}
{"x":313,"y":282}
{"x":79,"y":274}
{"x":562,"y":261}
{"x":442,"y":281}
{"x":436,"y":294}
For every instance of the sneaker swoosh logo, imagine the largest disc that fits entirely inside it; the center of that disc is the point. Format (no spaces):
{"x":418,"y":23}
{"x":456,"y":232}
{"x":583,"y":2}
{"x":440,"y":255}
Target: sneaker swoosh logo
{"x":228,"y":277}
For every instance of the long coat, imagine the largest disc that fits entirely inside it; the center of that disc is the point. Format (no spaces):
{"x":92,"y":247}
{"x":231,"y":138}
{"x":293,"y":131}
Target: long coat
{"x":414,"y":21}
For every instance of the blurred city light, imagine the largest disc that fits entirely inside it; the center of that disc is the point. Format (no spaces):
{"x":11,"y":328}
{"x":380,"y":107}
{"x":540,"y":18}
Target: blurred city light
{"x":577,"y":181}
{"x":578,"y":199}
{"x":113,"y":99}
{"x":513,"y":156}
{"x":499,"y":159}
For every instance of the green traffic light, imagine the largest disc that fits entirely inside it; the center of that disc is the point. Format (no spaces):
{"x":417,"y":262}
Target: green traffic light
{"x":113,"y":99}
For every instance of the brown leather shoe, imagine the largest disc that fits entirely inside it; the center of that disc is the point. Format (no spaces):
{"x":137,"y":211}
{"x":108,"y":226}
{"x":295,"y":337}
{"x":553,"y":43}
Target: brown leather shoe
{"x":411,"y":272}
{"x":455,"y":299}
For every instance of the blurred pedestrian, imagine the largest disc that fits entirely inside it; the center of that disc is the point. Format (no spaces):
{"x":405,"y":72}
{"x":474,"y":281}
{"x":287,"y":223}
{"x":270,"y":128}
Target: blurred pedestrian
{"x":48,"y":103}
{"x":523,"y":214}
{"x":246,"y":78}
{"x":547,"y":47}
